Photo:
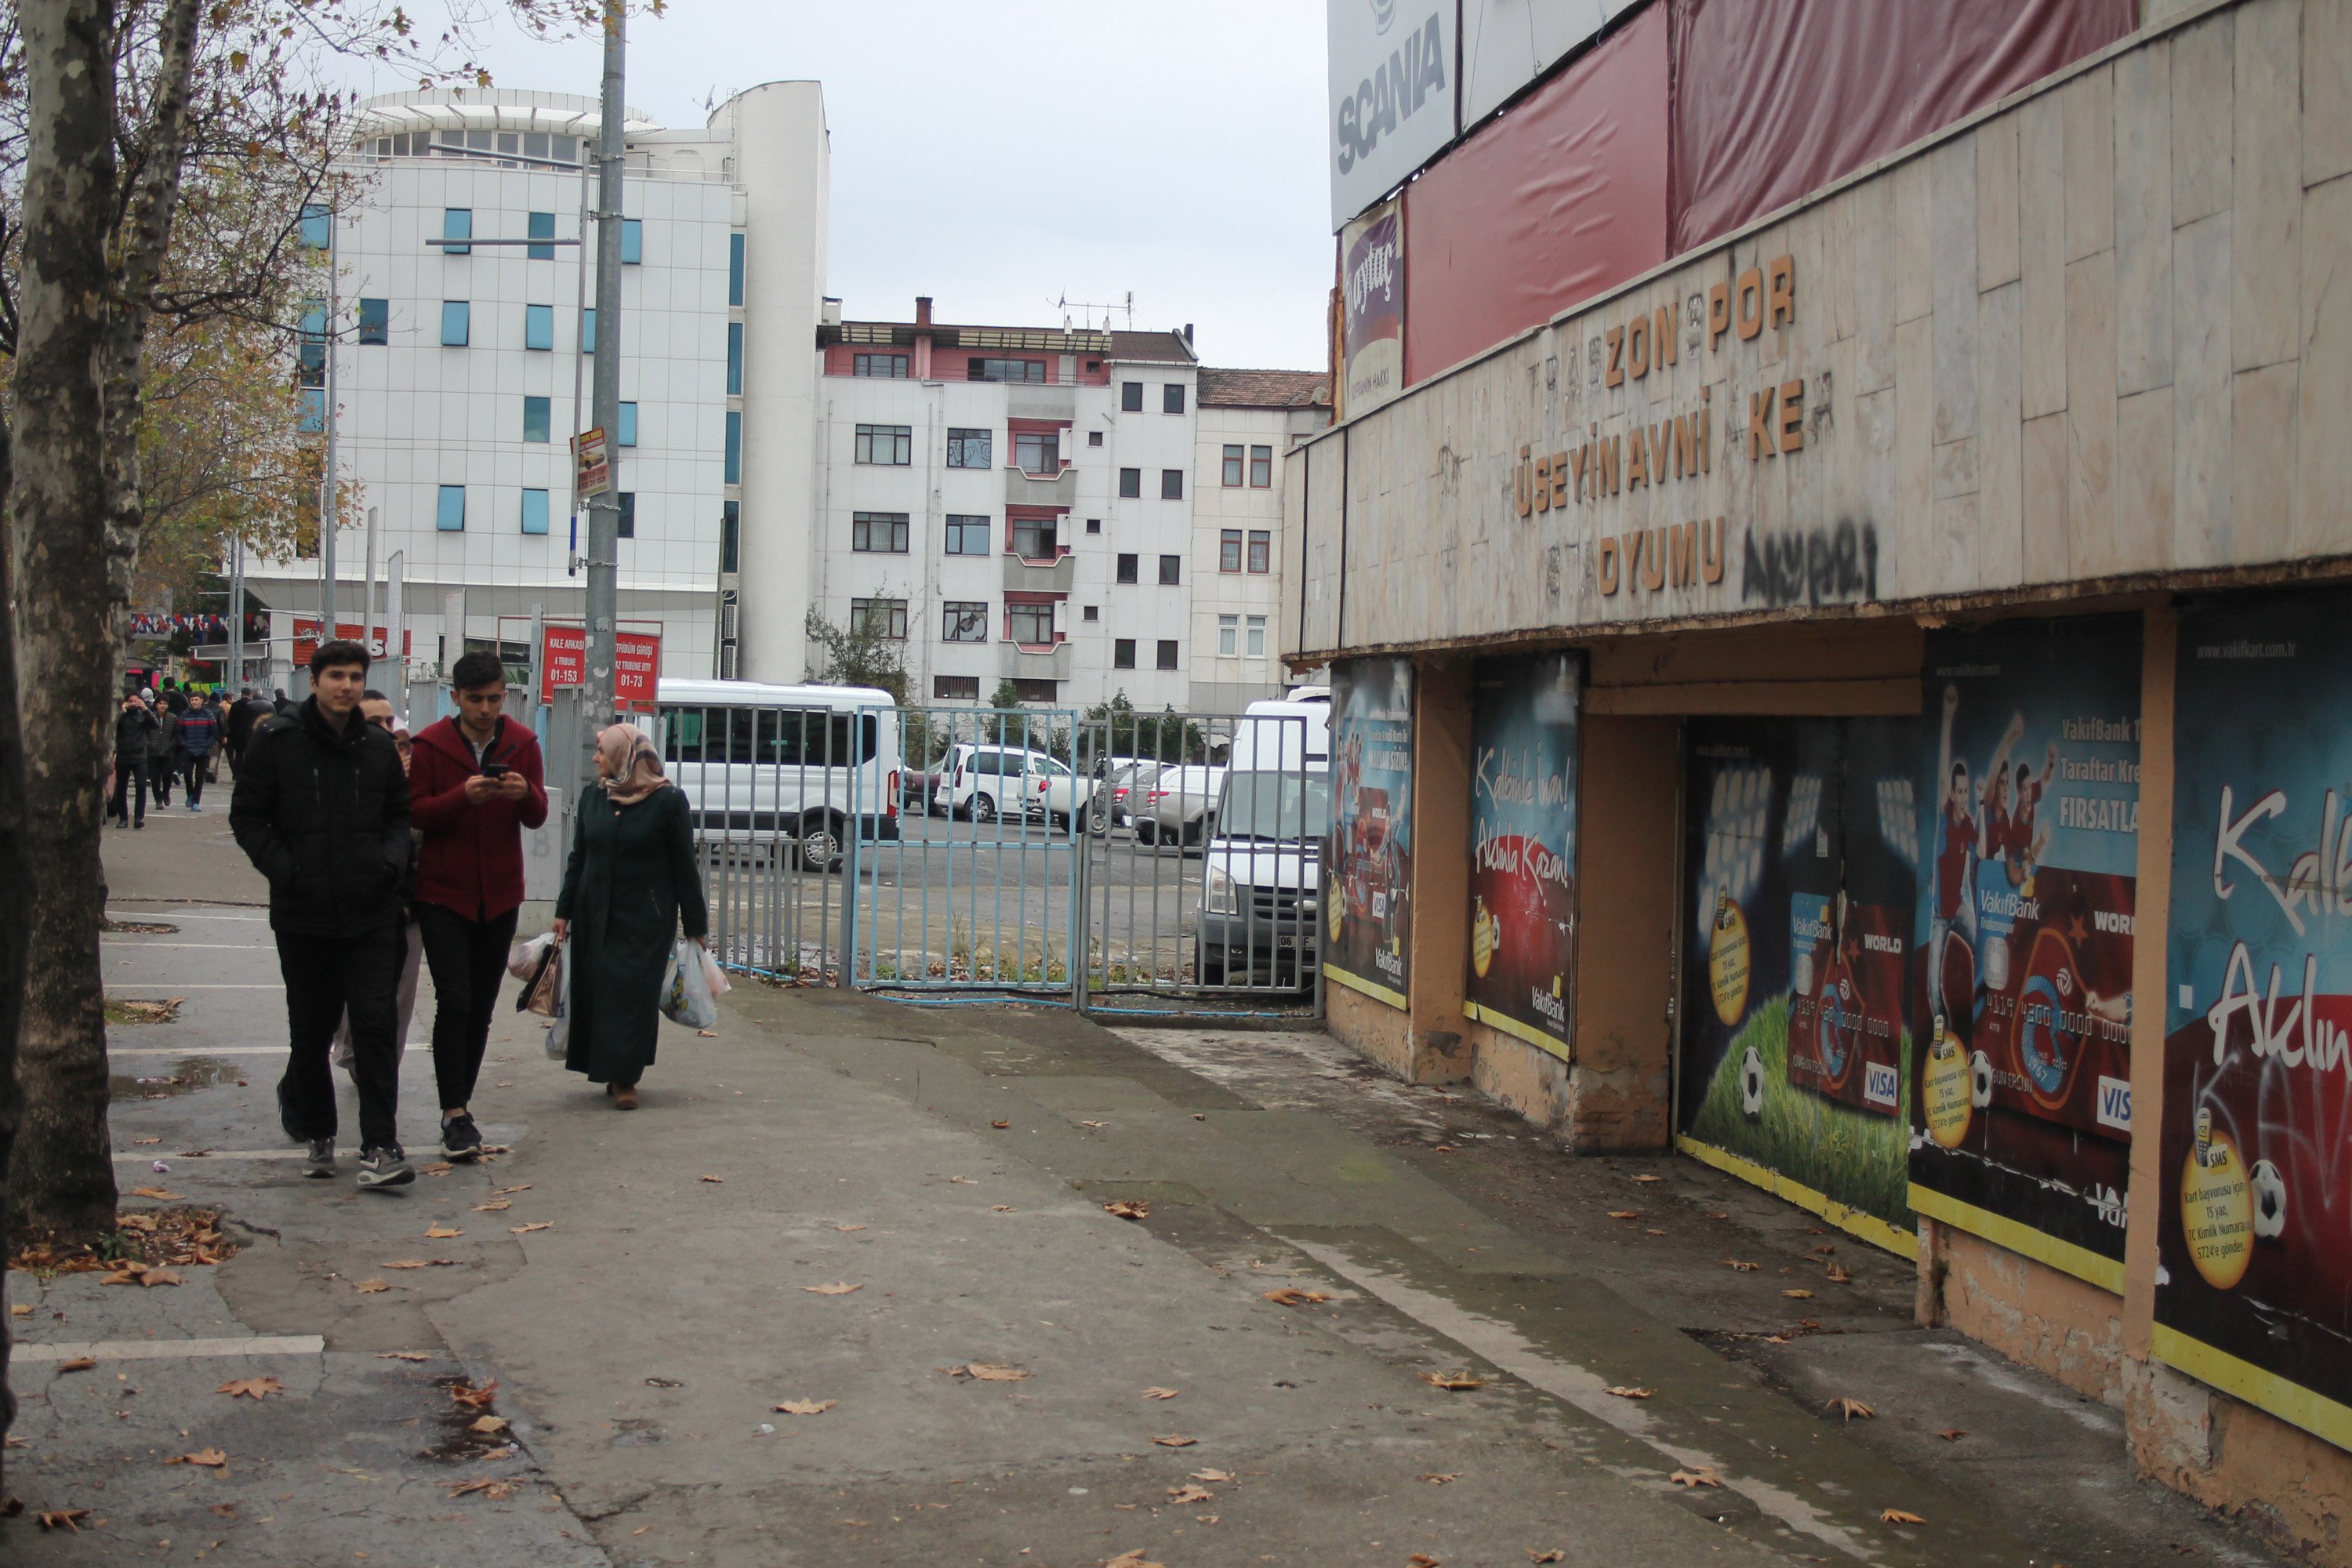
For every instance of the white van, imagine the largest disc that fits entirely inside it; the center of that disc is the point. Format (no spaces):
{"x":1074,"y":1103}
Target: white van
{"x":1263,"y":866}
{"x":763,"y":764}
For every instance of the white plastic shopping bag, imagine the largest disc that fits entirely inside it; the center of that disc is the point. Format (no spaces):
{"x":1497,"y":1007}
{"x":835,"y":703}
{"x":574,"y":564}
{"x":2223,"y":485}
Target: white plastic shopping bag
{"x":685,"y":996}
{"x":523,"y":958}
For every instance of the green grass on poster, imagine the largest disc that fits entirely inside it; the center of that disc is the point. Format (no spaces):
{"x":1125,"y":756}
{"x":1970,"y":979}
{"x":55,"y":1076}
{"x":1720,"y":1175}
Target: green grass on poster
{"x":1860,"y":1158}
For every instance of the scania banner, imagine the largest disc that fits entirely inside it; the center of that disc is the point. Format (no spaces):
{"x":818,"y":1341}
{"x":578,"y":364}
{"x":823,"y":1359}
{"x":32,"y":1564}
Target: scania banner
{"x":1523,"y":847}
{"x":1368,"y":903}
{"x":2028,"y":819}
{"x":1393,"y":68}
{"x":2254,"y":1284}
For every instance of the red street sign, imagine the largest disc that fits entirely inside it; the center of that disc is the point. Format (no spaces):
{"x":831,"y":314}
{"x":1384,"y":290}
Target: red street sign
{"x":305,"y":638}
{"x":592,"y":472}
{"x":636,"y":665}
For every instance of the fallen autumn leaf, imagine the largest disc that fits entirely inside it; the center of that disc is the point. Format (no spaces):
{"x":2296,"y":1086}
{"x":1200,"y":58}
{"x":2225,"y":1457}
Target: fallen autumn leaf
{"x":987,"y":1372}
{"x":526,"y":1229}
{"x":251,"y":1388}
{"x":474,"y":1398}
{"x":210,"y":1458}
{"x":1849,"y":1407}
{"x":1290,"y":1295}
{"x":1633,"y":1392}
{"x":62,"y":1519}
{"x":1798,"y":1295}
{"x":441,"y":1232}
{"x":807,"y":1406}
{"x":1897,"y":1516}
{"x":1456,"y":1381}
{"x":1128,"y":1208}
{"x":487,"y":1425}
{"x":1190,"y":1494}
{"x":79,"y":1364}
{"x":1160,"y":1393}
{"x":370,"y":1287}
{"x":1952,"y":1434}
{"x":714,"y":1178}
{"x":1175,"y":1440}
{"x":1212,"y":1476}
{"x":1704,"y":1476}
{"x":1439,"y":1478}
{"x":837,"y":1287}
{"x":1743,"y":1268}
{"x":161,"y":1195}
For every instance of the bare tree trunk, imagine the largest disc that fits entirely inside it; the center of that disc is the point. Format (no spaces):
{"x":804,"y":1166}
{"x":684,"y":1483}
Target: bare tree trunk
{"x":61,"y":1169}
{"x":13,"y":915}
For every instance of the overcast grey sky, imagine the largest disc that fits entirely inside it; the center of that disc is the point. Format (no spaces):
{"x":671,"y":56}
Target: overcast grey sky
{"x":1002,"y":154}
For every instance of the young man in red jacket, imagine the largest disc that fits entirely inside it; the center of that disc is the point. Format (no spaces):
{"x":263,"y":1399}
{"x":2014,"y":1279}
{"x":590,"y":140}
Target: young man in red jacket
{"x":474,"y":783}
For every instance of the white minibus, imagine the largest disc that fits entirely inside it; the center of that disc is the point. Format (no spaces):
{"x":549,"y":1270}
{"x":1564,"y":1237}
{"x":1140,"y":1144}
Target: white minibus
{"x":763,"y":764}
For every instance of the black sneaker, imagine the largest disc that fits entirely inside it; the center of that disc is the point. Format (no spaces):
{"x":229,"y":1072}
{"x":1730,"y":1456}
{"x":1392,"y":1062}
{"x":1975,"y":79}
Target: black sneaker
{"x":460,"y":1139}
{"x":385,"y":1165}
{"x":318,"y":1164}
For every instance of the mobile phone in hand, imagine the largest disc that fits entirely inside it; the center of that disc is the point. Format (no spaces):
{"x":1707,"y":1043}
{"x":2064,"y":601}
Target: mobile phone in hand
{"x":495,"y":770}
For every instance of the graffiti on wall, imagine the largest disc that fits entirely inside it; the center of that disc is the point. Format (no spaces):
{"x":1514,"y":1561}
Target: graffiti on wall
{"x":1834,"y":565}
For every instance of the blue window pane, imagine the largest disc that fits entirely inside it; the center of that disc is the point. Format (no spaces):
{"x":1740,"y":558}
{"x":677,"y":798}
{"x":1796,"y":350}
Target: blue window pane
{"x":314,"y":319}
{"x":375,"y":320}
{"x":534,"y":511}
{"x":314,"y":408}
{"x":734,"y":269}
{"x":316,"y":219}
{"x":628,"y":432}
{"x":734,"y":359}
{"x":539,"y":326}
{"x":628,"y":526}
{"x":456,"y":323}
{"x":457,"y":222}
{"x":535,"y":418}
{"x":450,"y":518}
{"x":587,"y":332}
{"x":633,"y":242}
{"x":734,"y":474}
{"x":542,"y":226}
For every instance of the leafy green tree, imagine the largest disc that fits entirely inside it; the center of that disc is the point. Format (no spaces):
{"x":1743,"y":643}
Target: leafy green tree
{"x":856,"y":656}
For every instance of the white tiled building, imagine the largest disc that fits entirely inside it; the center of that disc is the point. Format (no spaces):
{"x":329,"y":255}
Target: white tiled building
{"x":460,"y":373}
{"x":1248,"y":419}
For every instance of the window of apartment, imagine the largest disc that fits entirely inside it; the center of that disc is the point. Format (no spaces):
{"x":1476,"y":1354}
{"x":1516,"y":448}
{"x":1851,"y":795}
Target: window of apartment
{"x":1260,"y":467}
{"x":539,"y":326}
{"x":1171,"y":397}
{"x":1029,"y":625}
{"x":734,"y":359}
{"x":731,"y":468}
{"x":457,"y":322}
{"x":1171,"y":571}
{"x":955,"y":688}
{"x":1094,"y":437}
{"x":1229,"y":550}
{"x":1131,"y":482}
{"x":1031,"y":371}
{"x":450,"y":511}
{"x":313,"y":417}
{"x":1127,"y":564}
{"x":1036,"y":538}
{"x":967,"y":535}
{"x":534,"y":511}
{"x":1029,"y":689}
{"x":537,"y":418}
{"x":458,"y":223}
{"x":541,"y":226}
{"x":633,"y":241}
{"x":1171,"y":484}
{"x":878,"y":617}
{"x":1167,"y":653}
{"x":892,"y":445}
{"x":1261,"y":550}
{"x":1091,"y":612}
{"x":734,"y":269}
{"x":315,"y":220}
{"x":965,"y":620}
{"x":375,"y":320}
{"x":1039,"y":452}
{"x":731,"y":529}
{"x":1094,"y":525}
{"x":311,"y":357}
{"x":885,"y":367}
{"x":588,"y":331}
{"x":971,"y":448}
{"x":1256,"y":645}
{"x":628,"y":525}
{"x":878,"y":531}
{"x":1233,"y":474}
{"x":1130,"y":396}
{"x":1229,"y":635}
{"x":627,"y":436}
{"x":1122,"y":653}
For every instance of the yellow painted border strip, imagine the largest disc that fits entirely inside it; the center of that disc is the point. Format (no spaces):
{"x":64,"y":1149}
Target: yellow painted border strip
{"x":2106,"y":1273}
{"x":1515,"y":1029}
{"x":1371,"y":988}
{"x":2290,"y":1402}
{"x":1852,"y":1221}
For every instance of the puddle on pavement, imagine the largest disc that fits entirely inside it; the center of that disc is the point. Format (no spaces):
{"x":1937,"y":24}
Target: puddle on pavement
{"x":189,"y":1073}
{"x":458,"y":1443}
{"x":635,"y":1432}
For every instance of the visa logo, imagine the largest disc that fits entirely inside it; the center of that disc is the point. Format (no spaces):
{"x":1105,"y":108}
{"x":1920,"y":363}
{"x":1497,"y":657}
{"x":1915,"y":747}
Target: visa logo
{"x":2115,"y":1103}
{"x":1881,"y":1084}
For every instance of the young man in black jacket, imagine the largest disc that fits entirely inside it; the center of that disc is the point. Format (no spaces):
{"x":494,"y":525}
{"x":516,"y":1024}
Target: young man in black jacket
{"x":134,"y":726}
{"x":322,"y":809}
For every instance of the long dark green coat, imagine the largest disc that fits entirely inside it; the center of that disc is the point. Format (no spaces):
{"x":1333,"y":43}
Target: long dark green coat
{"x":630,"y":875}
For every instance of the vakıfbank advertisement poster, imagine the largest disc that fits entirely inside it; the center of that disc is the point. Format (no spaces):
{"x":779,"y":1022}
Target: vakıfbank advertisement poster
{"x":1523,"y":847}
{"x":2028,"y":819}
{"x":1799,"y":855}
{"x":2253,"y":1285}
{"x":1368,"y":904}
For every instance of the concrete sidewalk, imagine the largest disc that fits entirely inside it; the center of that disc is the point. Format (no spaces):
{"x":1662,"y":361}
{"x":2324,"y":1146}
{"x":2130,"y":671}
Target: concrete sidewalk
{"x":949,"y":1166}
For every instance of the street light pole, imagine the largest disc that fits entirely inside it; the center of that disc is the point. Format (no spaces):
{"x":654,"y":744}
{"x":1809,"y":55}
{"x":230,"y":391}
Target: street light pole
{"x":605,"y":510}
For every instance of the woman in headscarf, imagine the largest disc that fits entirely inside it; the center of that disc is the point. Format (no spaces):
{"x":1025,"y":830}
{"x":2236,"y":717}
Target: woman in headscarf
{"x":630,"y":875}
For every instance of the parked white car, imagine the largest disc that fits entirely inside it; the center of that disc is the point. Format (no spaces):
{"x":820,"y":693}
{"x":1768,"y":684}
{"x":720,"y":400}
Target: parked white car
{"x":984,"y":783}
{"x":1174,"y":808}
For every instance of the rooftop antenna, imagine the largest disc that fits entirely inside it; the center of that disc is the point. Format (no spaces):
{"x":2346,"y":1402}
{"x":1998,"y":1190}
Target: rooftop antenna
{"x":1086,"y":309}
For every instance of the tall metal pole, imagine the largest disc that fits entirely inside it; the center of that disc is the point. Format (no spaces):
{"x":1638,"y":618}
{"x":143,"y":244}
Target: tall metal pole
{"x":328,"y":511}
{"x":367,"y":590}
{"x":605,"y":510}
{"x":236,"y":615}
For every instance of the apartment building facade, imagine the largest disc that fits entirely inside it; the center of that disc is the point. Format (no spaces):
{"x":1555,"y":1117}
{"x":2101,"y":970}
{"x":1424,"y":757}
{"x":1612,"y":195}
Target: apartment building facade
{"x":1249,"y":420}
{"x":453,"y":344}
